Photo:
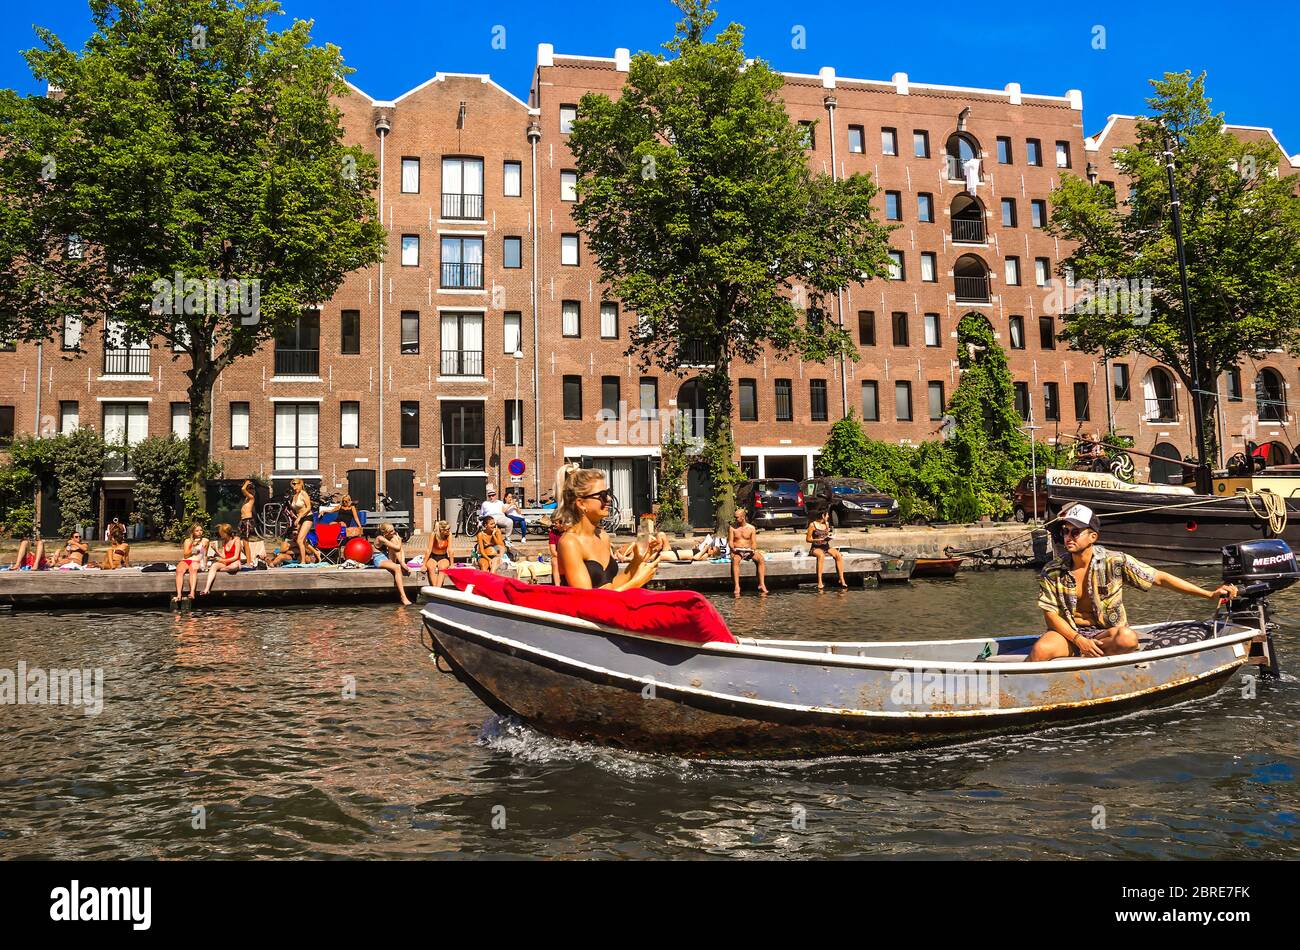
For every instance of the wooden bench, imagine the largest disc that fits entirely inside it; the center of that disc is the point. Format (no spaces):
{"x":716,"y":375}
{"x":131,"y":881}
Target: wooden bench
{"x":400,"y":520}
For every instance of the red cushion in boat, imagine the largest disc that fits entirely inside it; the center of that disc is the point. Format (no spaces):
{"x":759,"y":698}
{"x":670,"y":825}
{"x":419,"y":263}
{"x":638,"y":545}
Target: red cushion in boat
{"x":675,"y":614}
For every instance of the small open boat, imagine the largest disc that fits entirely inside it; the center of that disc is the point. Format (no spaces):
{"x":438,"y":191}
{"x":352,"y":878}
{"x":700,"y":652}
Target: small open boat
{"x":937,"y":566}
{"x":577,"y":679}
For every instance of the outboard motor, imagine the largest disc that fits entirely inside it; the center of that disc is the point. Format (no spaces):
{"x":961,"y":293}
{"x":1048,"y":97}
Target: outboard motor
{"x":1258,"y":569}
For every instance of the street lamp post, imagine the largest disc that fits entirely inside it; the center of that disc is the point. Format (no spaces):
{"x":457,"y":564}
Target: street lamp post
{"x":519,"y":419}
{"x":1033,"y":464}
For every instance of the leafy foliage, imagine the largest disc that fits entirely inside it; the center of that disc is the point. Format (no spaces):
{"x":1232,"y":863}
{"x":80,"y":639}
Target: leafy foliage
{"x":161,"y":466}
{"x":1241,"y":228}
{"x":187,"y":139}
{"x":698,"y":205}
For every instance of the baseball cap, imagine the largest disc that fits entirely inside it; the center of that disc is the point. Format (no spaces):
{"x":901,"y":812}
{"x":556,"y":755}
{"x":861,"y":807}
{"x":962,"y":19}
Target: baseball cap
{"x":1081,"y":516}
{"x":491,"y":489}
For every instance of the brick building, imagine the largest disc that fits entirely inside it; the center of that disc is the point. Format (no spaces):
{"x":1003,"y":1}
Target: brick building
{"x":486,"y":334}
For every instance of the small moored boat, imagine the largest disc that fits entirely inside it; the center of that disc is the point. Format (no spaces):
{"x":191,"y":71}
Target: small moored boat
{"x":576,"y":678}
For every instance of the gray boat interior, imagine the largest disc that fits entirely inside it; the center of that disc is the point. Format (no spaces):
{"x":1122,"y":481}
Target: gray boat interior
{"x":996,"y":649}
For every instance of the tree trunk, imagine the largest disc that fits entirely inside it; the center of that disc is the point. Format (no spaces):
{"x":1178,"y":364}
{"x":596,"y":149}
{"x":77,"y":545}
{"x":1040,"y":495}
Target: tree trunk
{"x":202,"y":378}
{"x":720,"y":444}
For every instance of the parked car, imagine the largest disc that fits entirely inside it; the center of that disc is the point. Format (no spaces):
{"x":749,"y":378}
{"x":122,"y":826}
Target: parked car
{"x":1022,"y":499}
{"x":773,"y":503}
{"x":851,"y":501}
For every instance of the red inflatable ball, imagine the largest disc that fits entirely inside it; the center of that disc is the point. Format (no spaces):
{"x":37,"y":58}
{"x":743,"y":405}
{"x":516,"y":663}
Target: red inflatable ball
{"x":359,"y":550}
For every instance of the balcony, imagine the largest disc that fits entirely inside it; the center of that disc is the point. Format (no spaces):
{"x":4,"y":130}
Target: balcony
{"x":463,"y":207}
{"x":971,"y":289}
{"x":968,"y":230}
{"x":462,"y":276}
{"x":1162,"y":409}
{"x":289,"y":362}
{"x":463,"y":456}
{"x":461,"y":363}
{"x":126,"y":361}
{"x":698,"y":353}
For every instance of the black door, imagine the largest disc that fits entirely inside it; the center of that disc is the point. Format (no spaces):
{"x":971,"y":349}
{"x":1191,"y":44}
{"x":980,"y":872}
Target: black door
{"x":699,"y":492}
{"x":642,"y":486}
{"x":361,"y":486}
{"x":400,"y":484}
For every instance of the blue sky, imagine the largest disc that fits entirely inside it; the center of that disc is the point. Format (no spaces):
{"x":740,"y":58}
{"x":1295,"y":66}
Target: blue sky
{"x":1249,"y":51}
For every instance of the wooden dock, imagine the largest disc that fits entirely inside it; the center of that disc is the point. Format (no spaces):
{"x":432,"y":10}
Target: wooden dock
{"x":59,"y":590}
{"x":783,"y":570}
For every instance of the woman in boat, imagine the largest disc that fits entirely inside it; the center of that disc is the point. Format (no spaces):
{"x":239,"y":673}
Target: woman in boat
{"x":819,"y":542}
{"x":437,"y":556}
{"x":228,"y":559}
{"x":190,"y":562}
{"x":585,"y":553}
{"x":300,"y":505}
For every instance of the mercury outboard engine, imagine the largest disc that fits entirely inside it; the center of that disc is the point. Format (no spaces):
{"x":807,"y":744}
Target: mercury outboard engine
{"x":1258,"y":569}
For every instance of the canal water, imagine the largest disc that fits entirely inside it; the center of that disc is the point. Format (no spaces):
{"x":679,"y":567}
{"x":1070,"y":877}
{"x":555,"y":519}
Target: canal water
{"x":305,"y":732}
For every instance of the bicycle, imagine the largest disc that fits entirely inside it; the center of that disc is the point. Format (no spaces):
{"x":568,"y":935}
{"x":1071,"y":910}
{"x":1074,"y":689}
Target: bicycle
{"x":614,"y":520}
{"x":467,"y":525}
{"x":276,"y":520}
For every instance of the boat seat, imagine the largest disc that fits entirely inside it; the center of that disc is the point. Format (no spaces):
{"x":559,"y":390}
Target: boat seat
{"x":1005,"y":658}
{"x":1176,"y":634}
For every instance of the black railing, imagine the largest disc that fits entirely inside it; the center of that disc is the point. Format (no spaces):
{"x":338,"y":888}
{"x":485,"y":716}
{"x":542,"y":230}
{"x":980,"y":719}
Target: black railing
{"x":297,"y":362}
{"x":126,"y":361}
{"x":463,"y":456}
{"x":461,"y":363}
{"x":462,"y":275}
{"x":1163,"y":409}
{"x":968,"y":230}
{"x":955,"y":170}
{"x":972,"y":289}
{"x":462,"y":206}
{"x":698,"y":353}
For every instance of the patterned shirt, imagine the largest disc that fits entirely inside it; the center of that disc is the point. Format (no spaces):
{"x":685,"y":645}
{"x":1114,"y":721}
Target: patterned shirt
{"x":1109,"y":573}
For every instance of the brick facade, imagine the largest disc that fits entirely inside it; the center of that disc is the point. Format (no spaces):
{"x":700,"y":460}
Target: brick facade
{"x":460,"y":435}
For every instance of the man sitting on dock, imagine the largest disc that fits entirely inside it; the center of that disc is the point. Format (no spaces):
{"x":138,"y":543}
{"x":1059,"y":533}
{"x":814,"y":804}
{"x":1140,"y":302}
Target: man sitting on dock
{"x":743,"y":541}
{"x":1082,"y":593}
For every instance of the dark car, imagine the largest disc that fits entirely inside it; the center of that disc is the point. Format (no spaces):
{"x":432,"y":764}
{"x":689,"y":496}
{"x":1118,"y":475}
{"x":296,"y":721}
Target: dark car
{"x":773,"y":503}
{"x":1022,"y":499}
{"x":851,"y":501}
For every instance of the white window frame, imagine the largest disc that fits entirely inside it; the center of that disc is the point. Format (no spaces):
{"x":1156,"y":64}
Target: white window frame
{"x":569,"y":254}
{"x":568,"y":114}
{"x":239,"y":422}
{"x":606,"y":309}
{"x":349,"y":426}
{"x":568,"y":185}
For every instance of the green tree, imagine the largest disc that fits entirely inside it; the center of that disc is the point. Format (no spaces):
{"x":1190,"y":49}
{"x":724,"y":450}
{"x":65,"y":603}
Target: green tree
{"x":990,"y":450}
{"x":160,"y":466}
{"x":698,"y":205}
{"x":845,"y":453}
{"x":1241,"y":226}
{"x":186,"y":142}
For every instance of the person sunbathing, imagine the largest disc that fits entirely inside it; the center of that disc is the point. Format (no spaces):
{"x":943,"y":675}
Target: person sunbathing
{"x":193,"y":553}
{"x":388,"y":556}
{"x":819,"y":543}
{"x":489,"y":544}
{"x":75,"y":552}
{"x":119,"y":552}
{"x":31,"y":554}
{"x":228,"y":559}
{"x":437,"y":556}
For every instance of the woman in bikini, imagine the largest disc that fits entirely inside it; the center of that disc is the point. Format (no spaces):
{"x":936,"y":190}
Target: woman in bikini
{"x":300,"y":505}
{"x":349,"y":517}
{"x":388,"y":555}
{"x":489,"y":544}
{"x":819,"y":541}
{"x":74,"y":552}
{"x":585,"y":553}
{"x":437,"y":556}
{"x":119,"y":552}
{"x":190,"y":563}
{"x":228,"y":559}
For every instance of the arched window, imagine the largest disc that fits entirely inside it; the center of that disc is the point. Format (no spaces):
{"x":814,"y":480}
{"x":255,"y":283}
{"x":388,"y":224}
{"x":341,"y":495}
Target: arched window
{"x":1270,"y":396}
{"x":967,"y":214}
{"x":960,"y":148}
{"x":971,"y":279}
{"x":1158,"y":394}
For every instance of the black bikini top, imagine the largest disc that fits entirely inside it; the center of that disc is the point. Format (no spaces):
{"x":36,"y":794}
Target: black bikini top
{"x":600,"y":576}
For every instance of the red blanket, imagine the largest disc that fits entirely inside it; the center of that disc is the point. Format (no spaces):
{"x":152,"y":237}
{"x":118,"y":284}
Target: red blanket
{"x":675,"y":614}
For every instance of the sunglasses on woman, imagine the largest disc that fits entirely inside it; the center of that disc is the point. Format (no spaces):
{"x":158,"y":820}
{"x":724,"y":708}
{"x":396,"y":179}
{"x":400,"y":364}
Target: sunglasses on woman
{"x":604,"y":495}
